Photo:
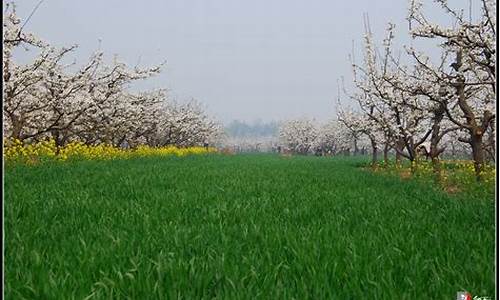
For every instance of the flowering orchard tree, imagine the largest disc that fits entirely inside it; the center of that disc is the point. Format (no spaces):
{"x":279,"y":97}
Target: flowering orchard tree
{"x":186,"y":125}
{"x":329,"y":139}
{"x":412,"y":98}
{"x":469,"y":86}
{"x":304,"y":136}
{"x":124,"y":119}
{"x":400,"y":115}
{"x":454,"y":147}
{"x":420,"y":105}
{"x":92,"y":103}
{"x":298,"y":135}
{"x":360,"y":125}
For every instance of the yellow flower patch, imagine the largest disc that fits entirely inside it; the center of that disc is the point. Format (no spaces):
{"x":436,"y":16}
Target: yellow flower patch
{"x":16,"y":151}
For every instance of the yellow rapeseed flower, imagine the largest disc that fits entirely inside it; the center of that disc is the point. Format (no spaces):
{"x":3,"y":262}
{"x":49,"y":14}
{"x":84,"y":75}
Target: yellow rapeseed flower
{"x":16,"y":151}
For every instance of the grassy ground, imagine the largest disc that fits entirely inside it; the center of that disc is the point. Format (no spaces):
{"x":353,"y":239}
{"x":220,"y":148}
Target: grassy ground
{"x":240,"y":227}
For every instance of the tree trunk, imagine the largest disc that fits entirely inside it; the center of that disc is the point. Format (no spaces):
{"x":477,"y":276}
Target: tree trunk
{"x":386,"y":154}
{"x":435,"y":139}
{"x":436,"y":163}
{"x":399,"y":148}
{"x":57,"y":139}
{"x":476,"y":131}
{"x":414,"y":161}
{"x":17,"y":127}
{"x":491,"y":140}
{"x":374,"y":152}
{"x":478,"y":154}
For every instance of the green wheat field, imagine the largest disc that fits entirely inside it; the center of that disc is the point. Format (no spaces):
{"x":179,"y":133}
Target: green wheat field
{"x":240,"y":227}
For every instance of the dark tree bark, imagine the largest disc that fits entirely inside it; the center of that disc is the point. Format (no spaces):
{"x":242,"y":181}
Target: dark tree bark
{"x":374,"y":151}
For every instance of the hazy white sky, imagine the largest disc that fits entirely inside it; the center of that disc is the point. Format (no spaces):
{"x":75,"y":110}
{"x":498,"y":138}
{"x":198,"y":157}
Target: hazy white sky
{"x":267,"y":59}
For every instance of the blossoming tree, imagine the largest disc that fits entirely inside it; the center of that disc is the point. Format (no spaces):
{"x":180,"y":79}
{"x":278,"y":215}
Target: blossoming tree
{"x":92,"y":103}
